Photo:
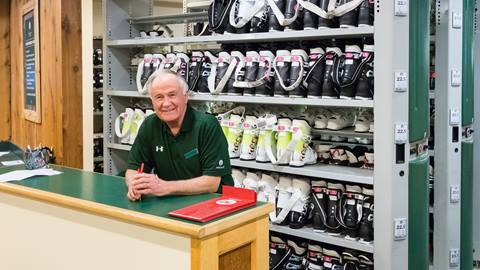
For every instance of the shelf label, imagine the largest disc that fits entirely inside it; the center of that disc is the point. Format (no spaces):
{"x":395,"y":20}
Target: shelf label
{"x":401,"y":81}
{"x":454,"y":194}
{"x":401,"y":7}
{"x":401,"y":133}
{"x":454,"y":117}
{"x":454,"y":257}
{"x":457,"y":20}
{"x":456,"y":78}
{"x":400,"y":229}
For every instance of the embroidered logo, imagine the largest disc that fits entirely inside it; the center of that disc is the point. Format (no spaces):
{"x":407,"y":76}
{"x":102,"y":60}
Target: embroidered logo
{"x":220,"y":164}
{"x":159,"y":148}
{"x":226,"y":202}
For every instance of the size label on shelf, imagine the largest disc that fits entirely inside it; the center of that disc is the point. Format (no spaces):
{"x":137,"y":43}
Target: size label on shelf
{"x":401,"y":7}
{"x":400,"y":229}
{"x":454,"y":117}
{"x":401,"y":81}
{"x":401,"y":133}
{"x":457,"y":20}
{"x":456,"y":78}
{"x":454,"y":194}
{"x":454,"y":257}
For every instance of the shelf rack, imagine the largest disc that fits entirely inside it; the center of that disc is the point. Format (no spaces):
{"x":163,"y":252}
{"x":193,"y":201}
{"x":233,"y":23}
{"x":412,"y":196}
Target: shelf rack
{"x":260,"y":100}
{"x":338,"y":33}
{"x":124,"y":19}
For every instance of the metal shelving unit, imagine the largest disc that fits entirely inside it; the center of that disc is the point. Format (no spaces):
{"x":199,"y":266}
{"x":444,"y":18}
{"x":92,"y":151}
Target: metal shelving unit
{"x":260,"y":100}
{"x":170,"y":19}
{"x":338,"y":33}
{"x":309,"y":233}
{"x":391,"y":109}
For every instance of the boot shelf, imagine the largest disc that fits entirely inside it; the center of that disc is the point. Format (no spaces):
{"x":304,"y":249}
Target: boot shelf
{"x":260,"y":100}
{"x":316,"y":34}
{"x":308,"y":233}
{"x":171,"y":18}
{"x":346,"y":132}
{"x":333,"y":172}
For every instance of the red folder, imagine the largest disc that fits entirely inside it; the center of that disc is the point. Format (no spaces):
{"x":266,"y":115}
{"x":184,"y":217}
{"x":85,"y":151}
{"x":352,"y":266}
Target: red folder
{"x":232,"y":199}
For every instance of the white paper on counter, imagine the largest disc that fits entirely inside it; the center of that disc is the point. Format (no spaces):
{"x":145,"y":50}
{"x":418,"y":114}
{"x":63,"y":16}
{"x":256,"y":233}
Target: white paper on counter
{"x":4,"y":153}
{"x":12,"y":162}
{"x":24,"y":174}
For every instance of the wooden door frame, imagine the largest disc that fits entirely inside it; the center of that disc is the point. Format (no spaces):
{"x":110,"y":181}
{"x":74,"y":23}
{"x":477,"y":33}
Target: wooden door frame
{"x":5,"y":72}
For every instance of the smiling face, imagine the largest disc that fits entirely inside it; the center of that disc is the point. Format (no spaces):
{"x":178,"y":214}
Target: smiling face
{"x":169,"y":100}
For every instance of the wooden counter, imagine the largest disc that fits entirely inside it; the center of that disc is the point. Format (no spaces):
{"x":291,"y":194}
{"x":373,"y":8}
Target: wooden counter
{"x":83,"y":220}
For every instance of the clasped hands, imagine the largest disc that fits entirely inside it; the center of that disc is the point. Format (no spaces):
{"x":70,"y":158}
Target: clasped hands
{"x":146,"y":183}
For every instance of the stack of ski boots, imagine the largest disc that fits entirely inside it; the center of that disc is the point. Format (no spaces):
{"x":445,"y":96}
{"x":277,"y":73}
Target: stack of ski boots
{"x":341,"y":210}
{"x":287,"y":252}
{"x":249,"y":16}
{"x":128,"y":123}
{"x":358,"y":156}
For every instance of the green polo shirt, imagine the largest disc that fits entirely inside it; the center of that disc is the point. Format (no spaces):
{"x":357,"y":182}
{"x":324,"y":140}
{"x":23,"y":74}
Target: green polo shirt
{"x":200,"y":148}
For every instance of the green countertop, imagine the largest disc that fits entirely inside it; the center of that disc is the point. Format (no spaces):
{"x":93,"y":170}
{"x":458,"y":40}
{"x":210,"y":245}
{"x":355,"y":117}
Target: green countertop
{"x":109,"y":190}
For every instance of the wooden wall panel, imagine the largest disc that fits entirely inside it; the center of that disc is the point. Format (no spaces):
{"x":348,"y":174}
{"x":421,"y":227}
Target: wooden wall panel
{"x":72,"y":81}
{"x":61,"y":110}
{"x":5,"y":128}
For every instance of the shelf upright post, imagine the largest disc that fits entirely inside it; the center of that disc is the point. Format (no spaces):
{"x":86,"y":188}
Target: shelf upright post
{"x":391,"y":134}
{"x":448,"y":116}
{"x":116,"y":72}
{"x":476,"y":137}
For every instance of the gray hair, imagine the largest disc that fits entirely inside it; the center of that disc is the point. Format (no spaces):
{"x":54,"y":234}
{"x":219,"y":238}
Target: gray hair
{"x":162,"y":72}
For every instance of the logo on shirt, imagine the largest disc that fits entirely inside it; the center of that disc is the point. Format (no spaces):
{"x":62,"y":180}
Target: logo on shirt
{"x":220,"y":164}
{"x":159,"y":148}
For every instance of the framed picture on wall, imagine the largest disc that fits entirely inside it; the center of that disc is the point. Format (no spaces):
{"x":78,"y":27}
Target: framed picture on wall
{"x":30,"y":53}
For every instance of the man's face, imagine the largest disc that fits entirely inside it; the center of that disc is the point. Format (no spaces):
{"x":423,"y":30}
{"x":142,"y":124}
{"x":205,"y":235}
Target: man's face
{"x":168,"y":99}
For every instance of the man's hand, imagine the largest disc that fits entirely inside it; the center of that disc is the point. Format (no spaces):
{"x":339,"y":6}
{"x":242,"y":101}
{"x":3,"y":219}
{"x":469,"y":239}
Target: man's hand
{"x":145,"y":183}
{"x":132,"y":195}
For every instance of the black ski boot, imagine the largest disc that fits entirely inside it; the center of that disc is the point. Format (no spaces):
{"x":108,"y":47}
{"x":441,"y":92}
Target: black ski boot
{"x":319,"y":198}
{"x":297,"y":71}
{"x":335,"y":192}
{"x":350,"y":260}
{"x":218,"y":15}
{"x":251,"y":70}
{"x":332,"y":57}
{"x":365,"y":232}
{"x":366,"y":262}
{"x":295,"y":261}
{"x":314,"y":77}
{"x":279,"y":252}
{"x":332,"y":260}
{"x":365,"y":85}
{"x":281,"y":65}
{"x":237,"y":75}
{"x":350,"y":211}
{"x":314,"y":256}
{"x":310,"y":19}
{"x":208,"y":62}
{"x":346,"y":72}
{"x":265,"y":74}
{"x":195,"y":70}
{"x":273,"y":24}
{"x":366,"y":13}
{"x":347,"y":13}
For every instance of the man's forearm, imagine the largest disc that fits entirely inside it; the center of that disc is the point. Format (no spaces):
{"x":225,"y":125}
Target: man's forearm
{"x":197,"y":185}
{"x":129,"y":175}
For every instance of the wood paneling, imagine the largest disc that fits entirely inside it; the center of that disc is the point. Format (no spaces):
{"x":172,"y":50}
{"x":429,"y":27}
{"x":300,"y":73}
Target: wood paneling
{"x":60,"y":67}
{"x":5,"y":70}
{"x":72,"y":82}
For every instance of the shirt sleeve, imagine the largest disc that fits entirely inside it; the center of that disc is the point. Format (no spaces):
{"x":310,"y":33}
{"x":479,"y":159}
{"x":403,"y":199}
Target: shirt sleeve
{"x":140,"y":151}
{"x":214,"y":149}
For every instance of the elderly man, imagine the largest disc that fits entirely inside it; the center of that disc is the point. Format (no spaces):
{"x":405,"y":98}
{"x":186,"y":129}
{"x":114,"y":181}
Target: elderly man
{"x":183,"y":150}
